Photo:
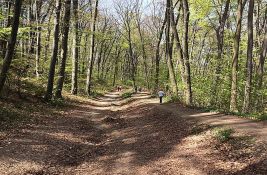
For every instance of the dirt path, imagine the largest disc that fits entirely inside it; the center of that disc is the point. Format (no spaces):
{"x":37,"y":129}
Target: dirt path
{"x":111,"y":135}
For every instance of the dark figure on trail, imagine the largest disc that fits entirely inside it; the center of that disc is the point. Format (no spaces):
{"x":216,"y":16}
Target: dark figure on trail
{"x":140,"y":89}
{"x":135,"y":89}
{"x":119,"y":88}
{"x":161,"y":95}
{"x":167,"y":88}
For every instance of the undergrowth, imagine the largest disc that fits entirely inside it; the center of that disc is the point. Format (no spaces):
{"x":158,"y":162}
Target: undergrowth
{"x":254,"y":116}
{"x":127,"y":95}
{"x":171,"y":99}
{"x":223,"y":134}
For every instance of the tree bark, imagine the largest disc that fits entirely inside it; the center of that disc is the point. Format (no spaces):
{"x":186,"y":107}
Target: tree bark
{"x":50,"y":84}
{"x":11,"y":44}
{"x":233,"y":100}
{"x":38,"y":5}
{"x":74,"y":79}
{"x":92,"y":50}
{"x":157,"y":58}
{"x":249,"y":66}
{"x":143,"y":50}
{"x":188,"y":97}
{"x":64,"y":53}
{"x":178,"y":44}
{"x":260,"y":69}
{"x":169,"y":60}
{"x":220,"y":41}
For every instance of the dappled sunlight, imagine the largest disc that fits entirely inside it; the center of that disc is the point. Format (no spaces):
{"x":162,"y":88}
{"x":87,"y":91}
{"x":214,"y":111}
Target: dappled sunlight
{"x":139,"y":136}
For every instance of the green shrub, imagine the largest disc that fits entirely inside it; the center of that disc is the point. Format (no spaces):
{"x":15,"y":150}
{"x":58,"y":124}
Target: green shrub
{"x":57,"y":102}
{"x":223,"y":134}
{"x":127,"y":95}
{"x":95,"y":94}
{"x":262,"y":117}
{"x":172,"y":99}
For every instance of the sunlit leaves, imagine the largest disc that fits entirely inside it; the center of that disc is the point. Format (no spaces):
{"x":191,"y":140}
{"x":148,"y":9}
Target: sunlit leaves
{"x":200,"y":9}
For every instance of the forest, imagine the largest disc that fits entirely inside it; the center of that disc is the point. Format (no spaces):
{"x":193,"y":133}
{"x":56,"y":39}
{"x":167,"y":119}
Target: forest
{"x":62,"y":61}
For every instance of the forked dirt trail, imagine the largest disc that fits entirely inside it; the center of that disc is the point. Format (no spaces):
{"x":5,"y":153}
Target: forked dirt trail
{"x":111,"y":135}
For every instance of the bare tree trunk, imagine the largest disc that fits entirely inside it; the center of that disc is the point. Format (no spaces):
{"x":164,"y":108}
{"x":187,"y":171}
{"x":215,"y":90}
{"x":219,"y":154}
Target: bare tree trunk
{"x":169,"y":60}
{"x":118,"y":53}
{"x":74,"y":79}
{"x":143,"y":50}
{"x":38,"y":5}
{"x":64,"y":53}
{"x":220,"y":41}
{"x":233,"y":101}
{"x":133,"y":68}
{"x":11,"y":44}
{"x":50,"y":84}
{"x":178,"y":44}
{"x":188,"y":97}
{"x":262,"y":60}
{"x":3,"y":43}
{"x":157,"y":60}
{"x":92,"y":51}
{"x":260,"y":70}
{"x":47,"y":40}
{"x":247,"y":95}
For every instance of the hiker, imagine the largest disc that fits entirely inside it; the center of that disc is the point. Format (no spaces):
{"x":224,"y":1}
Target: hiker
{"x":161,"y":94}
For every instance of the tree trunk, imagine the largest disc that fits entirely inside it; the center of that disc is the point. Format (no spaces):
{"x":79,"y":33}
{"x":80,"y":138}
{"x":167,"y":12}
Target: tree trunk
{"x":157,"y":60}
{"x":3,"y":43}
{"x":143,"y":51}
{"x":118,"y":53}
{"x":260,"y":72}
{"x":233,"y":101}
{"x":38,"y":5}
{"x":92,"y":51}
{"x":64,"y":53}
{"x":262,"y":58}
{"x":178,"y":43}
{"x":169,"y":60}
{"x":249,"y":65}
{"x":188,"y":97}
{"x":133,"y":68}
{"x":74,"y":79}
{"x":220,"y":41}
{"x":50,"y":84}
{"x":11,"y":44}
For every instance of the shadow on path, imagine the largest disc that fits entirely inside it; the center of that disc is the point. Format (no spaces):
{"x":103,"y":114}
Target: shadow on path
{"x":143,"y":138}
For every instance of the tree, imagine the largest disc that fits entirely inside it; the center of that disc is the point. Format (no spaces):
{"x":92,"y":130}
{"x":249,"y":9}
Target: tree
{"x":249,"y":64}
{"x":65,"y":37}
{"x":157,"y":57}
{"x":233,"y":100}
{"x":75,"y":57}
{"x":11,"y":44}
{"x":220,"y":43}
{"x":141,"y":35}
{"x":51,"y":75}
{"x":168,"y":50}
{"x":186,"y":54}
{"x":92,"y":50}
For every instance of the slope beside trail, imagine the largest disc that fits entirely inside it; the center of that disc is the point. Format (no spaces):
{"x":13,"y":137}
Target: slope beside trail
{"x":111,"y":135}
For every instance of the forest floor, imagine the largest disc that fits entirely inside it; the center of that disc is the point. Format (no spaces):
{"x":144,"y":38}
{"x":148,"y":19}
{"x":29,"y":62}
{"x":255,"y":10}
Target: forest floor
{"x":112,"y":135}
